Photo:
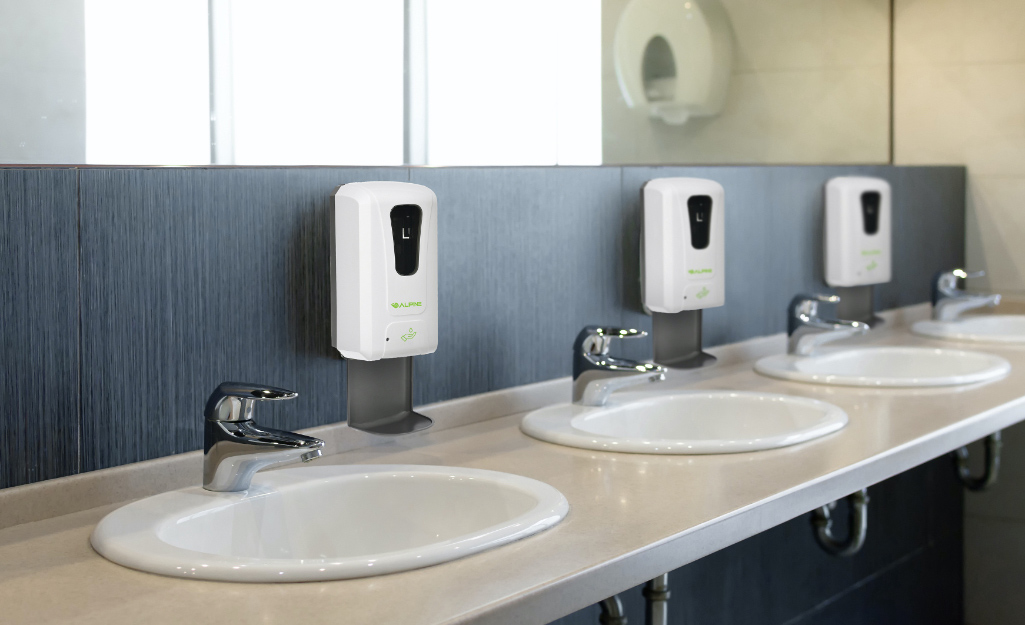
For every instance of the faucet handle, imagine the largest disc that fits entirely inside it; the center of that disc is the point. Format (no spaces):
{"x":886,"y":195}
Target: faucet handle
{"x":825,"y":298}
{"x":809,"y":304}
{"x":233,"y":401}
{"x":597,"y":339}
{"x":945,"y":283}
{"x":805,"y":308}
{"x":961,"y":273}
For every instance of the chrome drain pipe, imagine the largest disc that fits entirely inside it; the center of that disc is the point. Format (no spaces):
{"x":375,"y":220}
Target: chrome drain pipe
{"x":858,"y":526}
{"x":612,"y":611}
{"x":989,"y":477}
{"x":656,"y":595}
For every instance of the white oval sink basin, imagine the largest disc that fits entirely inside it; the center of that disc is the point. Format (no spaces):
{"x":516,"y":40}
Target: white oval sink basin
{"x":329,"y":522}
{"x":692,"y":422}
{"x":978,"y":329}
{"x":887,"y":366}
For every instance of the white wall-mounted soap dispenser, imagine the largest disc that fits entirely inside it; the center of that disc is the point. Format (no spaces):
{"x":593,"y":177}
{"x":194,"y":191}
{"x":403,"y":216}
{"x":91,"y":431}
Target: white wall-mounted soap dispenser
{"x":857,"y":238}
{"x":683,"y":243}
{"x":384,"y":300}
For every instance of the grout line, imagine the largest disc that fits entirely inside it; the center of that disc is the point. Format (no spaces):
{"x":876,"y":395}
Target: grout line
{"x":893,"y":67}
{"x":857,"y":585}
{"x":623,"y":312}
{"x":78,"y":194}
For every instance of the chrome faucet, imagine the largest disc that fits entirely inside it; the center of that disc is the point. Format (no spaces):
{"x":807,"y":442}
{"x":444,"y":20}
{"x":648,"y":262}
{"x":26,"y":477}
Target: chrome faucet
{"x":596,"y":374}
{"x":949,"y":302}
{"x":806,"y":330}
{"x":235,"y":448}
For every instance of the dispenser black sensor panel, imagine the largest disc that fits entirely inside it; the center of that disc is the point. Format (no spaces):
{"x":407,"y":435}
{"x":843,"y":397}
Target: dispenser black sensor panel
{"x":870,"y":211}
{"x":699,"y":207}
{"x":405,"y":232}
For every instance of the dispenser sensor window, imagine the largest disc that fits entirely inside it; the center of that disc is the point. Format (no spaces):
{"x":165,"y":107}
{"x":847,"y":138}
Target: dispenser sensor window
{"x":405,"y":232}
{"x":699,"y":208}
{"x":870,"y":211}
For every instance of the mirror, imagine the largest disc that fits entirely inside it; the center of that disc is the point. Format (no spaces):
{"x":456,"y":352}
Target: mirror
{"x":444,"y":82}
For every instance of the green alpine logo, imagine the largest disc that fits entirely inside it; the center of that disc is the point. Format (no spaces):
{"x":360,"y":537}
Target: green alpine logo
{"x":406,"y":305}
{"x":871,"y":252}
{"x":696,"y":271}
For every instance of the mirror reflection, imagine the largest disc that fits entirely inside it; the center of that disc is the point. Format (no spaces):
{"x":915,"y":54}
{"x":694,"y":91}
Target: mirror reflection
{"x":443,"y":82}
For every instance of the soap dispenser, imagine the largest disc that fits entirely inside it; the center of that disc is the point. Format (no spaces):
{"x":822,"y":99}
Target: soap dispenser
{"x":384,"y":298}
{"x":857,"y":242}
{"x":682,"y":264}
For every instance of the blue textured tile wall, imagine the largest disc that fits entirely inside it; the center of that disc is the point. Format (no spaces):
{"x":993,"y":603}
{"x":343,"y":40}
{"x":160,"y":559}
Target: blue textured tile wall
{"x":39,"y":409}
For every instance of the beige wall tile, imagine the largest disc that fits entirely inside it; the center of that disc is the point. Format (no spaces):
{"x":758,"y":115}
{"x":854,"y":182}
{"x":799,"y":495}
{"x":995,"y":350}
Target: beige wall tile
{"x":996,"y":101}
{"x":996,"y":231}
{"x":931,"y":109}
{"x":783,"y":35}
{"x":1000,"y":156}
{"x":994,"y":31}
{"x":808,"y":34}
{"x":928,"y":32}
{"x":857,"y":33}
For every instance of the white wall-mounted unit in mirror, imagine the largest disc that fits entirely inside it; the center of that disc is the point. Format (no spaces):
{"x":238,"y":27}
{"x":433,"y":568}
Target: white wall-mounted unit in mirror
{"x":673,"y":59}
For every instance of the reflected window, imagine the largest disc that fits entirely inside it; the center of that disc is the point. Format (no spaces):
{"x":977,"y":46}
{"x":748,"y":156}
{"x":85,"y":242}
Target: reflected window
{"x":146,"y":82}
{"x":513,"y":83}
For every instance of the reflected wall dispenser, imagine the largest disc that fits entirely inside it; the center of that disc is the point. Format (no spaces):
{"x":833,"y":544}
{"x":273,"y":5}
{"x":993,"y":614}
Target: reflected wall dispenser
{"x":673,"y":58}
{"x":857,"y":236}
{"x":683,"y":241}
{"x":384,"y":298}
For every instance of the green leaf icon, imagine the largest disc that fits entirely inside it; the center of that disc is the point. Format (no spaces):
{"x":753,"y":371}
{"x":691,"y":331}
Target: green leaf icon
{"x":394,"y":305}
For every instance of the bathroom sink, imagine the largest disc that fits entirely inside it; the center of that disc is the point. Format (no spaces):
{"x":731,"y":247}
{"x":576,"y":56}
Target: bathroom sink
{"x":328,"y":522}
{"x":692,"y":422}
{"x":979,"y":329}
{"x":886,"y":366}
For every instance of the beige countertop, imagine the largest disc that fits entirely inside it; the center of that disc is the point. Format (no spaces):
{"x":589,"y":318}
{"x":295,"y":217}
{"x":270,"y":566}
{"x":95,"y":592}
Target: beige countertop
{"x":632,"y":516}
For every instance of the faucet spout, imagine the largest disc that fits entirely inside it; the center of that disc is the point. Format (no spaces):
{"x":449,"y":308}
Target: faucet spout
{"x":806,"y":331}
{"x":950,"y":302}
{"x":596,"y":387}
{"x":596,"y":374}
{"x":235,"y":449}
